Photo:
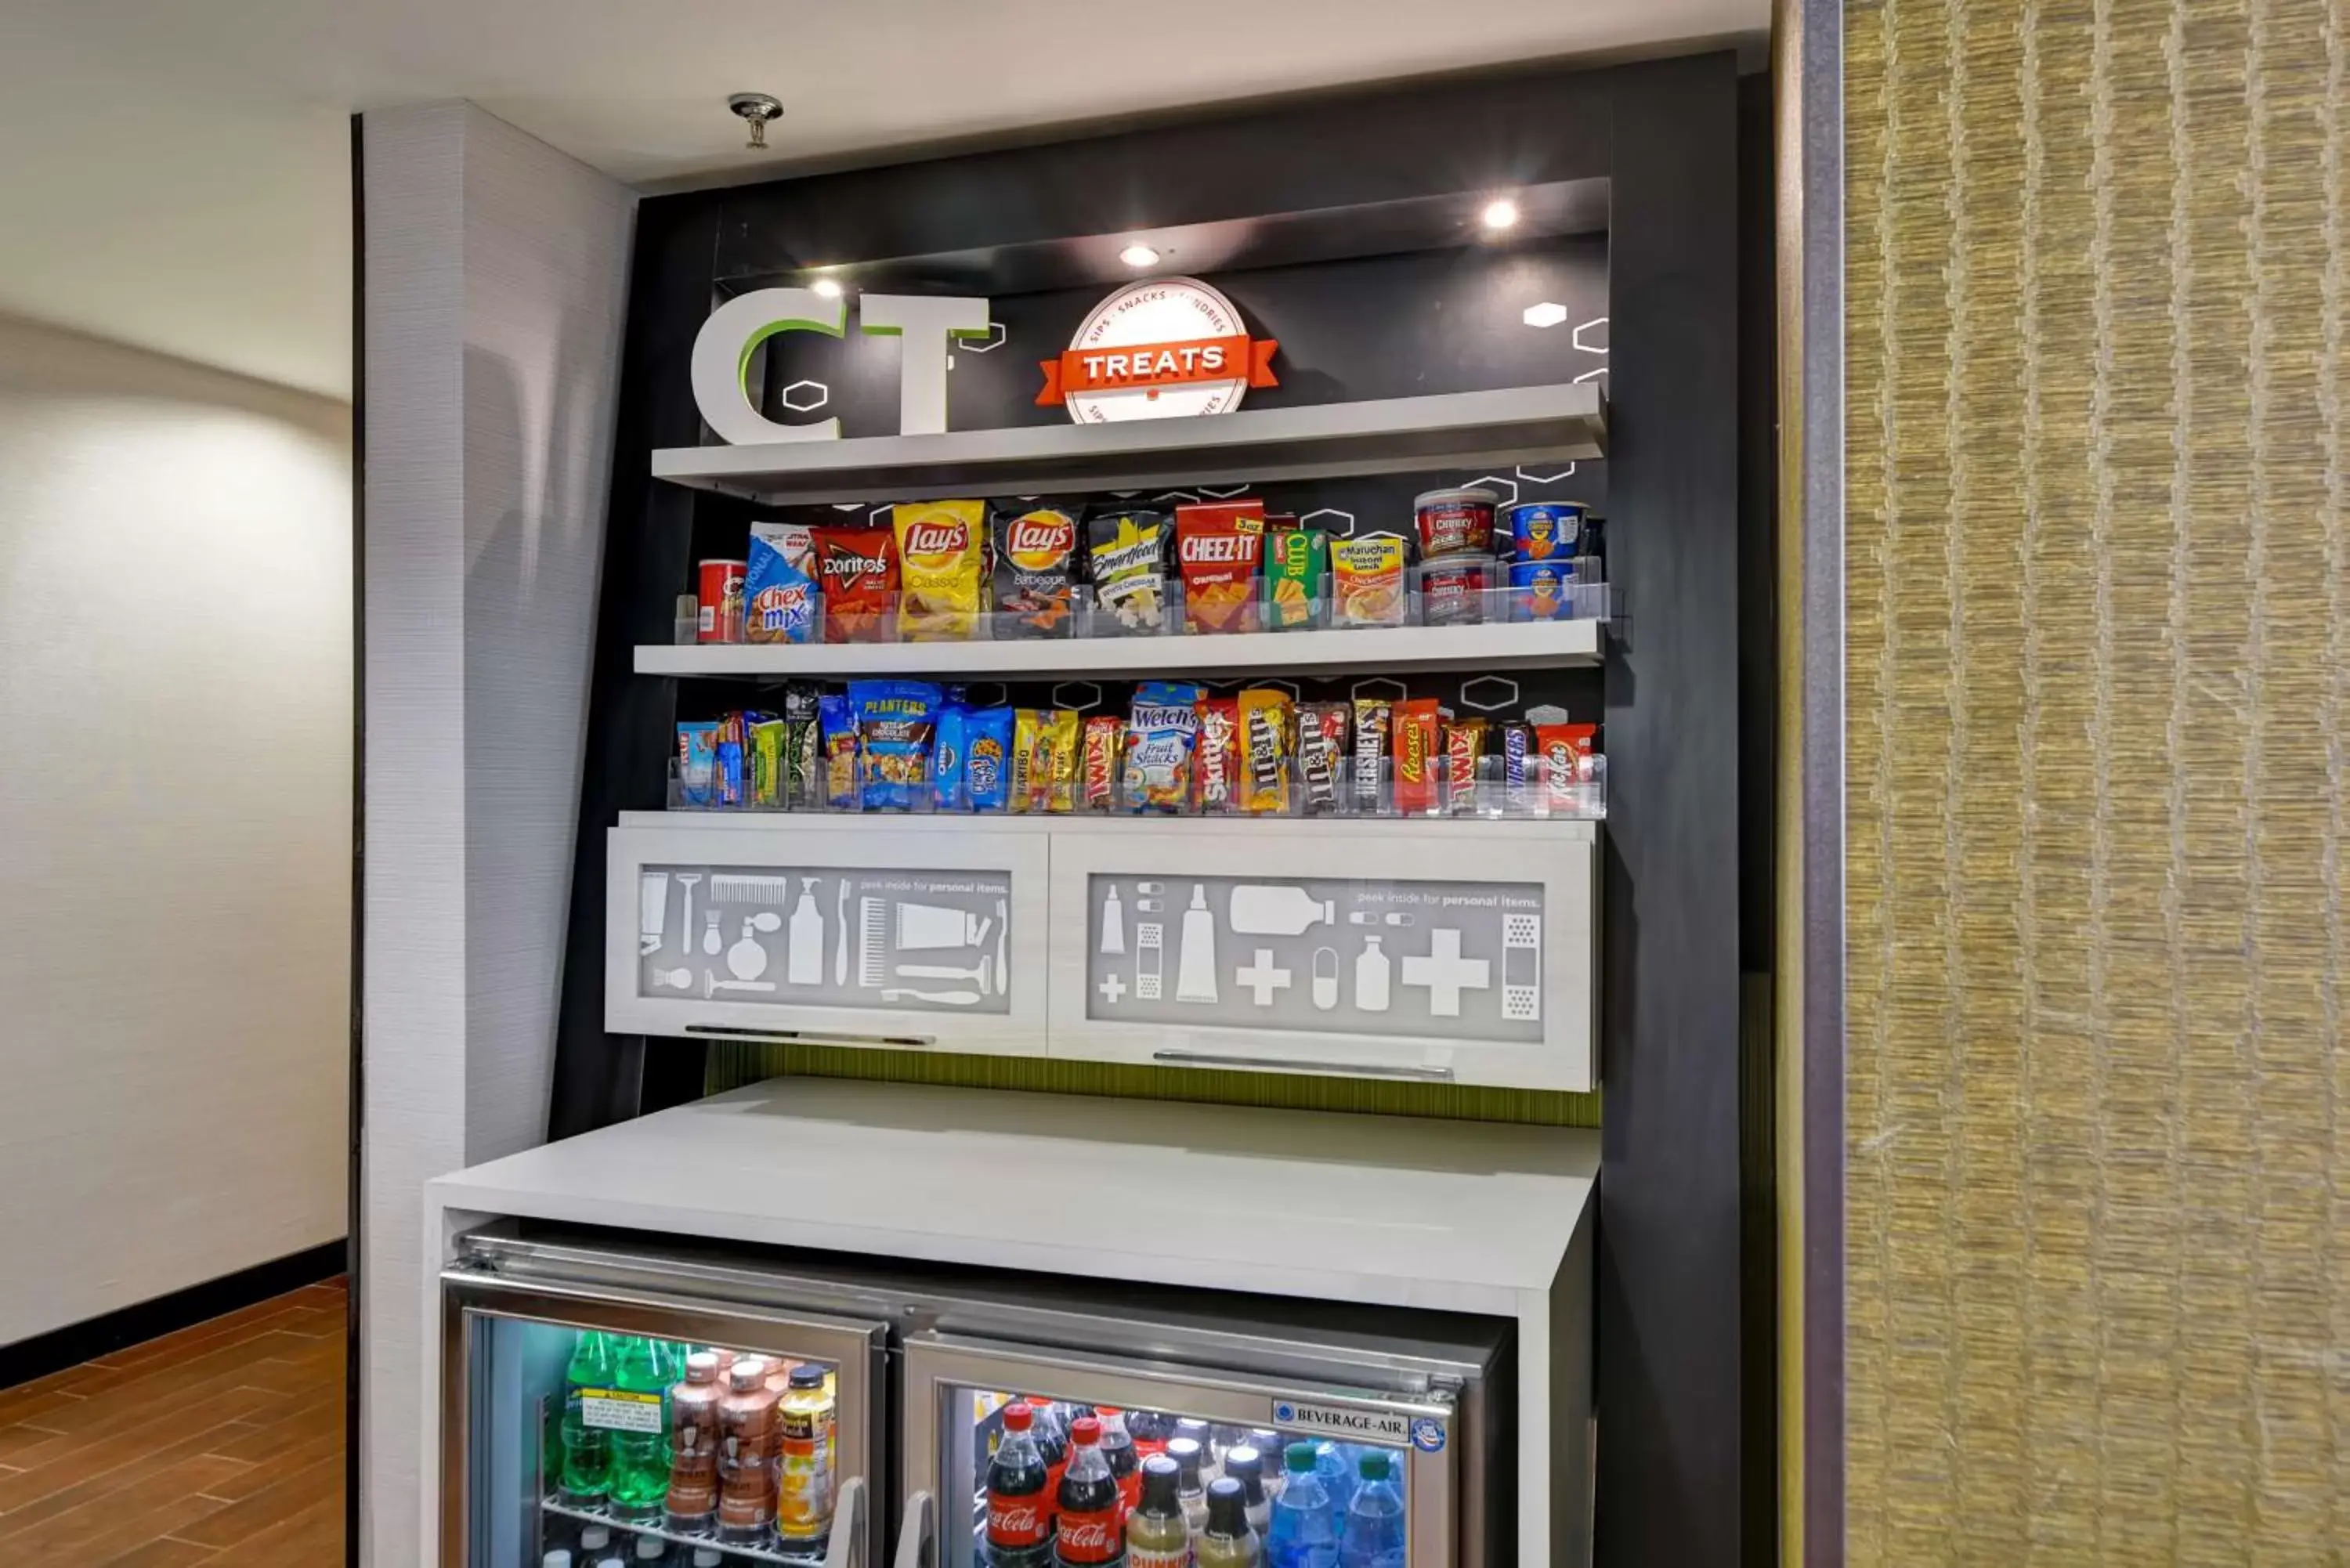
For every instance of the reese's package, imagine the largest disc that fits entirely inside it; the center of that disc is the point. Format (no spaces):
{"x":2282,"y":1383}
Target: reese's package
{"x":1128,"y":547}
{"x":1418,"y":760}
{"x":1218,"y":545}
{"x":938,"y":569}
{"x":858,"y":570}
{"x":1036,"y":572}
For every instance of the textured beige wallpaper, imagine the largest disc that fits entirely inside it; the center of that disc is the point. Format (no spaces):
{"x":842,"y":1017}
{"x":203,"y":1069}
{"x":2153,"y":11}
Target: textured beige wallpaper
{"x":2099,"y":678}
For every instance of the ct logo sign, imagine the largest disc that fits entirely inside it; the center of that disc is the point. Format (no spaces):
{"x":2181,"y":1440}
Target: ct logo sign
{"x":928,"y":324}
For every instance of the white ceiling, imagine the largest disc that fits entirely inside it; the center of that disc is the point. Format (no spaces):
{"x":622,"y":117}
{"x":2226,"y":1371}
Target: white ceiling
{"x":176,"y":173}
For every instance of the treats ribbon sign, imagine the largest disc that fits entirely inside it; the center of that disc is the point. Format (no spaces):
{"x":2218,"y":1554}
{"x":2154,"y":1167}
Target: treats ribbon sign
{"x":1165,"y":347}
{"x":1159,"y":364}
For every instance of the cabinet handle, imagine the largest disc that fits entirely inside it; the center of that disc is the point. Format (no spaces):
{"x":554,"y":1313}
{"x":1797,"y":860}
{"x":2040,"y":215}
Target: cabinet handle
{"x":1349,"y":1069}
{"x":810,"y":1036}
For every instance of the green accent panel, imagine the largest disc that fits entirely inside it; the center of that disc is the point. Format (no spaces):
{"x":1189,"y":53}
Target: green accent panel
{"x":734,"y":1064}
{"x":788,"y":324}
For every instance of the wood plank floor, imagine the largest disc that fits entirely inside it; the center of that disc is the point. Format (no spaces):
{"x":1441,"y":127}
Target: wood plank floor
{"x":217,"y":1445}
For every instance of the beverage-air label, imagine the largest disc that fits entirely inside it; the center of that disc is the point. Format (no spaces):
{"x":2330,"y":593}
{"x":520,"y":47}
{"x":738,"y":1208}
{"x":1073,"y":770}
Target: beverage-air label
{"x":618,"y":1410}
{"x":1356,"y":1426}
{"x":1090,"y":1537}
{"x":1016,"y":1522}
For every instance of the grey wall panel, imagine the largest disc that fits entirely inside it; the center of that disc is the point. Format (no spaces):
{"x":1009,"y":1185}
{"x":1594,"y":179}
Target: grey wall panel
{"x":495,"y":275}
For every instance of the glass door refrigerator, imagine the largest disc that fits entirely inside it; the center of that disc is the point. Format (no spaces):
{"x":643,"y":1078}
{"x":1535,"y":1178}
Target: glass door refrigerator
{"x":604,"y":1408}
{"x":1378,"y":1436}
{"x":640,"y":1404}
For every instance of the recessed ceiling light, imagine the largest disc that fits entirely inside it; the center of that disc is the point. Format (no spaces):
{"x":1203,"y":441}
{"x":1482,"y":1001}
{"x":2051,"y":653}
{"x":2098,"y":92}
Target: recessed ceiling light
{"x":1138,"y":255}
{"x":1501,"y":213}
{"x":828,"y":286}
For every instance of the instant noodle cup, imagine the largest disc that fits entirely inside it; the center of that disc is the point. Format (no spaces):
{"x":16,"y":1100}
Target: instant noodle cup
{"x":938,"y":569}
{"x":1542,"y":590}
{"x":1451,"y":521}
{"x":1545,"y":530}
{"x":1453,"y":590}
{"x":1366,"y":581}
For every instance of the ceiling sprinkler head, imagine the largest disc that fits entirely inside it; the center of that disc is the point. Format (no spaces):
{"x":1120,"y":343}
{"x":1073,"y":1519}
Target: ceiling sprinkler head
{"x":756,"y":110}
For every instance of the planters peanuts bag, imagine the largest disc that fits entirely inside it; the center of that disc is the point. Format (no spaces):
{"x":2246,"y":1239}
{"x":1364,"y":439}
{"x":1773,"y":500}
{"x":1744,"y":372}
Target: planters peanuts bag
{"x":779,"y":594}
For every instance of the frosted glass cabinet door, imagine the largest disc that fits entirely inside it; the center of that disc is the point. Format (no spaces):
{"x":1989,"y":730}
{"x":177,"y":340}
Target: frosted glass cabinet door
{"x":925,"y":932}
{"x":1441,"y":951}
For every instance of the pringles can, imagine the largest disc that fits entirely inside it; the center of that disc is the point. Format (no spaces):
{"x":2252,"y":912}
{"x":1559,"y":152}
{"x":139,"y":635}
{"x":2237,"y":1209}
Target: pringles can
{"x":718,"y":604}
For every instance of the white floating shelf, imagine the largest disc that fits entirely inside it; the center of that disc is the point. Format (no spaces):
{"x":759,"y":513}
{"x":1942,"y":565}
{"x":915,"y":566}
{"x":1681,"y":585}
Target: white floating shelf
{"x":1523,"y":645}
{"x":1497,"y":429}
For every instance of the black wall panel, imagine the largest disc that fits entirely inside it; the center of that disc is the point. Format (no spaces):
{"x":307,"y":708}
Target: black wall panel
{"x":1652,"y":307}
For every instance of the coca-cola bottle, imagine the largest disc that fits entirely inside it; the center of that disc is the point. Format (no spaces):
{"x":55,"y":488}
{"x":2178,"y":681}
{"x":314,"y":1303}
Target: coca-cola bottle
{"x":1089,"y":1519}
{"x":1051,"y":1430}
{"x":1019,"y":1521}
{"x":1151,"y":1429}
{"x":1117,"y":1447}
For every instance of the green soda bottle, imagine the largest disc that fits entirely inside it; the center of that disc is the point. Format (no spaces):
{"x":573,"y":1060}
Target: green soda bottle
{"x":640,"y":1455}
{"x":585,"y":1476}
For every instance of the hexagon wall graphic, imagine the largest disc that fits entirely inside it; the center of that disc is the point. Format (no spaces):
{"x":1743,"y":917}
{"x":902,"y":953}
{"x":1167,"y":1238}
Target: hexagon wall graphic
{"x":1489,"y":693}
{"x":1379,"y":687}
{"x":1333,"y":527}
{"x":1567,"y":472}
{"x":804,"y":397}
{"x":987,"y":694}
{"x":1584,"y":333}
{"x":1082,"y":695}
{"x":1549,"y":313}
{"x":1505,"y":488}
{"x":994,"y":340}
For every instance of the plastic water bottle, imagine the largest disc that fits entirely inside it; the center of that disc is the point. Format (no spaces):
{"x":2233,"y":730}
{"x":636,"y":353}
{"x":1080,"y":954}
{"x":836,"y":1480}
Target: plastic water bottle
{"x":1305,"y":1533}
{"x":1334,"y":1463}
{"x":1373,"y":1535}
{"x":641,"y":1456}
{"x":586,"y":1473}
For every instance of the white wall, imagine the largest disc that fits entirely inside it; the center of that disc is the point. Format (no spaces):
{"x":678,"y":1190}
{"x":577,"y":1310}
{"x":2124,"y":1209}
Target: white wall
{"x":175,"y":785}
{"x":495,"y":275}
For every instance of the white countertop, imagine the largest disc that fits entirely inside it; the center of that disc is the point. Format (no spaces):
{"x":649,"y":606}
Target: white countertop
{"x":1460,"y":1216}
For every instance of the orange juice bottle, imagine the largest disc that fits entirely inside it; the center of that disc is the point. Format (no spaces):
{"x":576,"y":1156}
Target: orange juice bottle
{"x":805,"y":1487}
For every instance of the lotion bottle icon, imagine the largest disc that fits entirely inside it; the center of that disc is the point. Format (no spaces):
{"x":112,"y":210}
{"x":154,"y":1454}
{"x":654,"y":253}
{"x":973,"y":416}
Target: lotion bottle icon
{"x":1371,"y":978}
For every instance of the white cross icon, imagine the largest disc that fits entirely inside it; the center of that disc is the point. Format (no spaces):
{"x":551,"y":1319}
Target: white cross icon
{"x":1111,"y":988}
{"x":1446,"y":973}
{"x":1262,"y":978}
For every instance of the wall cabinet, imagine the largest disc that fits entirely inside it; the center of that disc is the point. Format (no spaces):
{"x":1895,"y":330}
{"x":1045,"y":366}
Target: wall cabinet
{"x":1448,"y":952}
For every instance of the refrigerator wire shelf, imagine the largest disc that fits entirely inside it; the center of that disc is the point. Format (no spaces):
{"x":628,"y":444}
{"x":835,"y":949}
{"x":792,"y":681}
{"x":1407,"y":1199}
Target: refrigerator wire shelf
{"x":770,"y":1551}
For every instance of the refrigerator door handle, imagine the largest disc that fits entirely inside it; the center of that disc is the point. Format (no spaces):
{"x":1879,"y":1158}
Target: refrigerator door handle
{"x":915,"y":1537}
{"x":847,"y":1548}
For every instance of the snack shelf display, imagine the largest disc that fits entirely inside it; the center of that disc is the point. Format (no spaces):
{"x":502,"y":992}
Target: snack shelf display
{"x":1548,"y":424}
{"x":1500,"y":642}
